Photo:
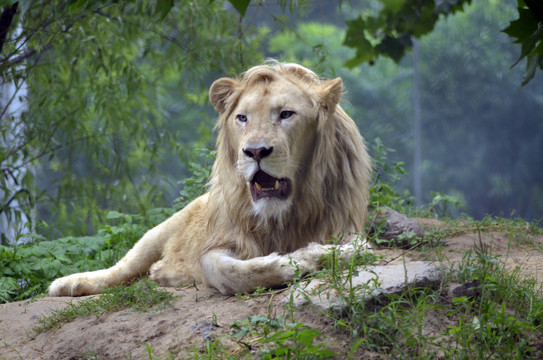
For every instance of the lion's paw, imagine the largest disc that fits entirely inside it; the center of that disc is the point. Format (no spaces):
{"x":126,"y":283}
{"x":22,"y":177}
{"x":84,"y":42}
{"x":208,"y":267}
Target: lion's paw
{"x":156,"y":273}
{"x":73,"y":285}
{"x":347,"y":251}
{"x":307,"y":258}
{"x":167,"y":274}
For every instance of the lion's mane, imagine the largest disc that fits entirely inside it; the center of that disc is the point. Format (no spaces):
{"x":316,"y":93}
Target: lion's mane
{"x":330,"y":200}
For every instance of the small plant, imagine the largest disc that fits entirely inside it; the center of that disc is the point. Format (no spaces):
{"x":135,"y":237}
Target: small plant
{"x":212,"y":350}
{"x":270,"y":338}
{"x":406,"y":240}
{"x":339,"y":275}
{"x":259,"y":291}
{"x":442,"y":204}
{"x":504,"y":320}
{"x":199,"y":164}
{"x":382,"y":190}
{"x":276,"y":339}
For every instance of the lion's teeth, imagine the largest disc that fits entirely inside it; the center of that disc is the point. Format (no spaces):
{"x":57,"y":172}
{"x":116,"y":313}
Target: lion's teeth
{"x":258,"y":186}
{"x":276,"y":187}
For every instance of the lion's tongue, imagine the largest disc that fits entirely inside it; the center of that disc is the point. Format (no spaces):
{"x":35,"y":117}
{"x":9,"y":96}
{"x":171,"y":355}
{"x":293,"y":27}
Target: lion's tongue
{"x":264,"y":185}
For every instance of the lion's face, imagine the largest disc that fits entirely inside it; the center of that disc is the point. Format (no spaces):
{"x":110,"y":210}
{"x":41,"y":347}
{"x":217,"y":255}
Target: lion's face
{"x":272,"y":128}
{"x":271,"y":125}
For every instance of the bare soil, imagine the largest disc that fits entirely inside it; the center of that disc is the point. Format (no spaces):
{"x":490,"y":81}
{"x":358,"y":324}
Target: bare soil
{"x":197,"y":315}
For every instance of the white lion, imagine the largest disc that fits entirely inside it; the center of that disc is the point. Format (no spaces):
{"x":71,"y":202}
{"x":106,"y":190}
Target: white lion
{"x":291,"y":172}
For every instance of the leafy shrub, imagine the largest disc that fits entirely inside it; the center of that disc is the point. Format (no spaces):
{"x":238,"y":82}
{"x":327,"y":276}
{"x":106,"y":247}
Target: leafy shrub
{"x":200,"y":165}
{"x":382,"y":191}
{"x":26,"y":269}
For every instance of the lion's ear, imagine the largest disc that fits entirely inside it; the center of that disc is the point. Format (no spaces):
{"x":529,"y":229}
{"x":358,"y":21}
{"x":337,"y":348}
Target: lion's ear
{"x":330,"y":93}
{"x":220,"y":91}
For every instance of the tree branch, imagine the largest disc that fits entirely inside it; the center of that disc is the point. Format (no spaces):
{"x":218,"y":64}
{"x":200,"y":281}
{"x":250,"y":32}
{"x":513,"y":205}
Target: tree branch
{"x":6,"y":205}
{"x":7,"y":62}
{"x":8,"y":13}
{"x":18,"y":59}
{"x":6,"y":107}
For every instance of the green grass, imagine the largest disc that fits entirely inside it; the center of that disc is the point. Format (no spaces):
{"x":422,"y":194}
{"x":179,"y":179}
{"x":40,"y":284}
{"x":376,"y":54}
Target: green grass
{"x":503,"y":320}
{"x":520,"y":231}
{"x":142,"y":295}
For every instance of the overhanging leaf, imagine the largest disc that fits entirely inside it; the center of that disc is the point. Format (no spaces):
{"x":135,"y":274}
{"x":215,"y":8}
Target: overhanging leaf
{"x":393,"y":6}
{"x":536,"y":6}
{"x":523,"y":27}
{"x":163,"y":7}
{"x":355,"y":38}
{"x":240,"y":5}
{"x":394,"y":48}
{"x":531,"y":68}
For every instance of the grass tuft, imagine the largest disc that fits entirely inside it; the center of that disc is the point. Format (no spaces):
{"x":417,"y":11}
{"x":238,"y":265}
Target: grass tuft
{"x":142,"y":295}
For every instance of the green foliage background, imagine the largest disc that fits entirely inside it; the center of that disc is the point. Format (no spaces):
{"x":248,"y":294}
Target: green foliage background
{"x":116,"y":96}
{"x":104,"y":110}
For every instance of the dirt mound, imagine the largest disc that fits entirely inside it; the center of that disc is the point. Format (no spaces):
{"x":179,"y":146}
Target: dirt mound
{"x":197,"y":315}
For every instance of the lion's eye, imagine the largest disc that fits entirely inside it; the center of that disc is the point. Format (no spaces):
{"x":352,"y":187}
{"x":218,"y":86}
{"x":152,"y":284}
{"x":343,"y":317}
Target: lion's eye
{"x":285,"y":114}
{"x":241,"y":118}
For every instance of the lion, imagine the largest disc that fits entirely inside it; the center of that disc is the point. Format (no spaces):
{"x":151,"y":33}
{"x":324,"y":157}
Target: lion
{"x":291,"y":172}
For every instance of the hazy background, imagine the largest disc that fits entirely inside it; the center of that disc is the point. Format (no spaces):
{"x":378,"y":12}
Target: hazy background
{"x":114,"y":110}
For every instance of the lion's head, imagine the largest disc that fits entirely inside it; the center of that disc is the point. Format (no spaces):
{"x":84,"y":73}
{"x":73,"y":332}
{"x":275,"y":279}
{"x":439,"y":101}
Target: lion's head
{"x":291,"y":166}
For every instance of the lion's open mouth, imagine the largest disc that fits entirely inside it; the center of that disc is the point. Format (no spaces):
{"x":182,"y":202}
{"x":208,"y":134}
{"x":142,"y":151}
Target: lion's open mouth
{"x":264,"y":185}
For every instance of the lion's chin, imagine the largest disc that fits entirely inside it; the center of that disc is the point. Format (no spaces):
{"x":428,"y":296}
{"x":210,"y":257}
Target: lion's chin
{"x":271,"y":208}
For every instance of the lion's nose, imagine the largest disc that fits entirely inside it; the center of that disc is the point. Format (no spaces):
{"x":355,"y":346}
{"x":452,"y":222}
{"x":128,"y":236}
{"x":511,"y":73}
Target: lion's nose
{"x":259,"y":153}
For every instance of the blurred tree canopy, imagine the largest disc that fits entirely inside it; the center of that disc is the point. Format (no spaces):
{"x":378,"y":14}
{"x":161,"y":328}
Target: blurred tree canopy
{"x":102,"y":102}
{"x":110,"y":92}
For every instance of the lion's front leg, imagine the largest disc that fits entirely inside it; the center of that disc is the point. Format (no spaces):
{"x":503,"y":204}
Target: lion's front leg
{"x":229,"y":275}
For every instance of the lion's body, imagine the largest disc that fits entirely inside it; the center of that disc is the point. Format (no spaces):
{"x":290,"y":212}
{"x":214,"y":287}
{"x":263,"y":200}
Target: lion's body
{"x":291,"y":172}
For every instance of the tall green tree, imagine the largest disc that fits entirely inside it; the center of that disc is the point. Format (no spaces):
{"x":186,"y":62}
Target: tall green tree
{"x":111,"y":93}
